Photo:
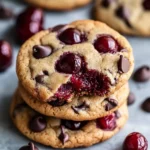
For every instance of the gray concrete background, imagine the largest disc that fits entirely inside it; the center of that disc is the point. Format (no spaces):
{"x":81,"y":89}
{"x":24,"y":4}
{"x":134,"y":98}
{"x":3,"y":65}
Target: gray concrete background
{"x":11,"y":139}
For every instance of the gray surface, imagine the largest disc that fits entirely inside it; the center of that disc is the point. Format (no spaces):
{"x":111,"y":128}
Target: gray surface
{"x":11,"y":139}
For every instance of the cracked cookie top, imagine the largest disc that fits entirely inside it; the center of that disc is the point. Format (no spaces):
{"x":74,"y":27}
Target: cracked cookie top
{"x":84,"y":58}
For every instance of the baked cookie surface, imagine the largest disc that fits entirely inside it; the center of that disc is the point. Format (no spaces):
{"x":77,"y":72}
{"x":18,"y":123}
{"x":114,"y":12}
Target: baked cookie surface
{"x":126,"y":16}
{"x":84,"y":58}
{"x":81,"y":108}
{"x":58,"y":4}
{"x":64,"y":133}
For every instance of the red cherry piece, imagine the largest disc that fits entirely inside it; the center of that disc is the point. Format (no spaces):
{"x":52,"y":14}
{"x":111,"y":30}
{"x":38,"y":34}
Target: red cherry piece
{"x":5,"y":55}
{"x":107,"y":123}
{"x":71,"y":36}
{"x":69,"y":63}
{"x":106,"y":44}
{"x":135,"y":141}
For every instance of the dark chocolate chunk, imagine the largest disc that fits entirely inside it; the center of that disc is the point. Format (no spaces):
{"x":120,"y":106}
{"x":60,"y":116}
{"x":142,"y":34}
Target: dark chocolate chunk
{"x":57,"y":102}
{"x":63,"y":136}
{"x":131,"y":98}
{"x":117,"y":114}
{"x":123,"y":65}
{"x":146,"y":4}
{"x":40,"y":79}
{"x":146,"y":105}
{"x":111,"y":103}
{"x":5,"y":13}
{"x":41,"y":51}
{"x":142,"y":74}
{"x":123,"y":13}
{"x":82,"y":106}
{"x":106,"y":3}
{"x":38,"y":123}
{"x":30,"y":146}
{"x":58,"y":28}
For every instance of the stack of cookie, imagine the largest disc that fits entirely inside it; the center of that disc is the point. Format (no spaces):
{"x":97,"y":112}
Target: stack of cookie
{"x":73,"y":85}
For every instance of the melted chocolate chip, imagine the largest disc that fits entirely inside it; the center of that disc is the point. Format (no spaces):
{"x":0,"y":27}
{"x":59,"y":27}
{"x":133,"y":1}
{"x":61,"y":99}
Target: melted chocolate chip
{"x":117,"y":114}
{"x":5,"y":13}
{"x":142,"y":74}
{"x":39,"y":79}
{"x":112,"y":103}
{"x":30,"y":146}
{"x":41,"y":51}
{"x":83,"y":106}
{"x":123,"y":13}
{"x":58,"y":28}
{"x":123,"y":65}
{"x":73,"y":125}
{"x":63,"y":136}
{"x":131,"y":98}
{"x":37,"y":123}
{"x":146,"y":4}
{"x":146,"y":105}
{"x":106,"y":3}
{"x":57,"y":102}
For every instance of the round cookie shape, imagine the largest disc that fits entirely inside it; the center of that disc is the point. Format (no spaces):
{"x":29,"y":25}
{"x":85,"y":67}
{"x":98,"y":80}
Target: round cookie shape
{"x":58,"y":4}
{"x":124,"y":14}
{"x":64,"y":133}
{"x":81,"y":108}
{"x":77,"y":64}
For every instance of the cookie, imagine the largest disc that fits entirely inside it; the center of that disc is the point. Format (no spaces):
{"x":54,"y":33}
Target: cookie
{"x":58,"y":133}
{"x":84,"y":58}
{"x":81,"y":108}
{"x":126,"y":16}
{"x":58,"y":4}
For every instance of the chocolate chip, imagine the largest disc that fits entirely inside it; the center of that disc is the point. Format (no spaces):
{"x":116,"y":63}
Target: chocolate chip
{"x":146,"y":4}
{"x":83,"y":106}
{"x":142,"y":74}
{"x":123,"y":13}
{"x":57,"y":102}
{"x":106,"y":3}
{"x":19,"y":108}
{"x":123,"y":64}
{"x":63,"y":136}
{"x":46,"y":72}
{"x":146,"y":105}
{"x":117,"y":114}
{"x":111,"y":103}
{"x":131,"y":98}
{"x":58,"y":28}
{"x":37,"y":123}
{"x":5,"y":13}
{"x":41,"y":51}
{"x":30,"y":146}
{"x":39,"y":79}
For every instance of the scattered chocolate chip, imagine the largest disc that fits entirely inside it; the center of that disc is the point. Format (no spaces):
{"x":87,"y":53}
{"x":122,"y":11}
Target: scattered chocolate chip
{"x":123,"y":64}
{"x":30,"y":146}
{"x":146,"y":105}
{"x":63,"y":136}
{"x":117,"y":114}
{"x":41,"y":51}
{"x":106,"y":3}
{"x":123,"y":13}
{"x":142,"y":74}
{"x":46,"y":72}
{"x":112,"y":103}
{"x":37,"y":123}
{"x":73,"y":125}
{"x":146,"y":4}
{"x":57,"y":102}
{"x":19,"y":108}
{"x":5,"y":13}
{"x":39,"y":79}
{"x":131,"y":98}
{"x":58,"y":28}
{"x":83,"y":106}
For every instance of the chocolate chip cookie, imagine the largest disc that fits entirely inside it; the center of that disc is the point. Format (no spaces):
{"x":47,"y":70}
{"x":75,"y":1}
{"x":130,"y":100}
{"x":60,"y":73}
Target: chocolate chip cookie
{"x":58,"y":4}
{"x":126,"y":16}
{"x":81,"y":108}
{"x":61,"y":133}
{"x":84,"y":58}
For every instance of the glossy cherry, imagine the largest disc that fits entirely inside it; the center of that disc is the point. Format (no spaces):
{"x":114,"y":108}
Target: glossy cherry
{"x":5,"y":55}
{"x":28,"y":23}
{"x":135,"y":141}
{"x":106,"y":44}
{"x":107,"y":123}
{"x":71,"y":36}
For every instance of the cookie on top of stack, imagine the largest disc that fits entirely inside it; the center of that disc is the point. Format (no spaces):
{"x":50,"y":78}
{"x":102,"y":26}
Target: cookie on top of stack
{"x":73,"y":85}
